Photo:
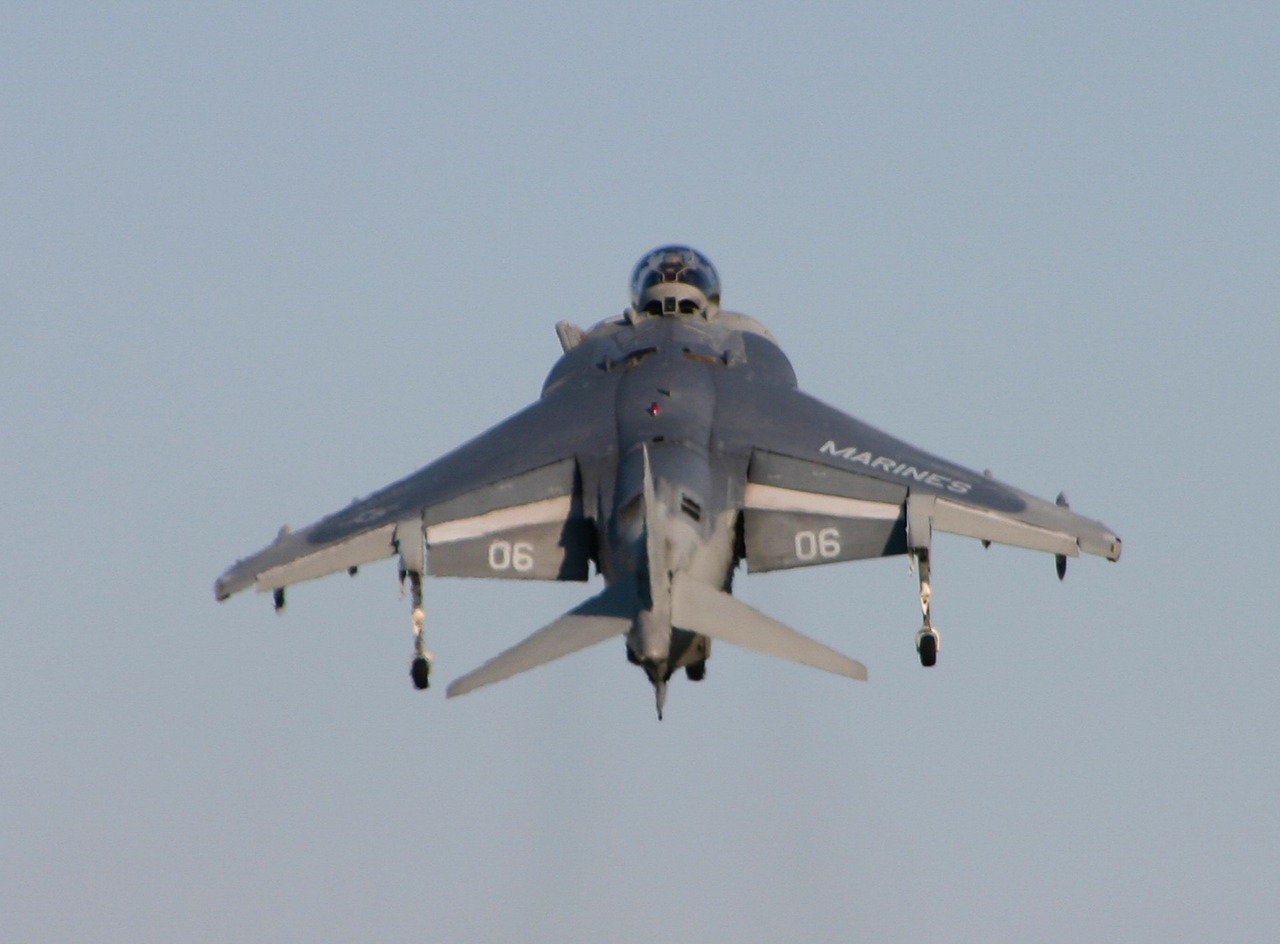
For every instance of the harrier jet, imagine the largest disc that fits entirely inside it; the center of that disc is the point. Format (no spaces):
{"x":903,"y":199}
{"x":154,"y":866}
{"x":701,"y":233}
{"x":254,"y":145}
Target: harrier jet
{"x":669,"y":445}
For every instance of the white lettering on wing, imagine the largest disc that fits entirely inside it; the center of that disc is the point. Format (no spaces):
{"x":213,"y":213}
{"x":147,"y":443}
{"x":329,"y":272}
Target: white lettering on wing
{"x":895,"y":467}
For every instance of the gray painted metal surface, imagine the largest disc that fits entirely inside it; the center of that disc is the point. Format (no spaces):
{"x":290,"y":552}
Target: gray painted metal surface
{"x":668,"y":446}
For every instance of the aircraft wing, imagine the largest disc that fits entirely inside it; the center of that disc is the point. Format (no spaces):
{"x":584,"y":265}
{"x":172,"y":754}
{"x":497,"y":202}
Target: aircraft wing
{"x":506,"y":504}
{"x":824,"y":487}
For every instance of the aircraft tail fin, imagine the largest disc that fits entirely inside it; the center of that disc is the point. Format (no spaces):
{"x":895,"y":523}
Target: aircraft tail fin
{"x":655,"y":545}
{"x":703,"y":609}
{"x":607,"y":614}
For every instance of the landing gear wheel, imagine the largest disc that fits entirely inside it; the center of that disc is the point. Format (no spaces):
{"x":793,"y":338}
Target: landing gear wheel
{"x":421,"y":673}
{"x":927,"y":646}
{"x":696,"y":671}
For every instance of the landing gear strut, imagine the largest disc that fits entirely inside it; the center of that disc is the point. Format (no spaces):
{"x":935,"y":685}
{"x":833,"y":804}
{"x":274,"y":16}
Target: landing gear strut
{"x":420,"y":671}
{"x":927,"y":640}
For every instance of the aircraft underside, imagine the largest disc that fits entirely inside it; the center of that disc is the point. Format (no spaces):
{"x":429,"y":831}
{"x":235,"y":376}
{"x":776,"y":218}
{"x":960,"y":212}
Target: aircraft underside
{"x":668,"y":447}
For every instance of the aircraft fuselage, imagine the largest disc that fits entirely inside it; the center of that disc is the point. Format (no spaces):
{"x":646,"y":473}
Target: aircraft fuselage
{"x":675,"y":500}
{"x":669,"y":445}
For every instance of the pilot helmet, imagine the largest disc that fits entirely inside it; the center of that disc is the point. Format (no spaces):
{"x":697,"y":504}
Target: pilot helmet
{"x":674,"y":280}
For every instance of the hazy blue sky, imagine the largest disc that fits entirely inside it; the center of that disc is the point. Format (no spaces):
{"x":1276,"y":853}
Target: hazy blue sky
{"x":256,"y":262}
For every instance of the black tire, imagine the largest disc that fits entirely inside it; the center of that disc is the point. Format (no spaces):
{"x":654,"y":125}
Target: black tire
{"x":421,"y":674}
{"x":696,"y":671}
{"x":928,"y":650}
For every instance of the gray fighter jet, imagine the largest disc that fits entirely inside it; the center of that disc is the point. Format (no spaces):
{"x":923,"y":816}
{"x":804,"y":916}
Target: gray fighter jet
{"x":669,"y":445}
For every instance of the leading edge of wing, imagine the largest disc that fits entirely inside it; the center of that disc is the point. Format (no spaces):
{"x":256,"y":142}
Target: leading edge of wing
{"x":551,"y":431}
{"x":780,"y":420}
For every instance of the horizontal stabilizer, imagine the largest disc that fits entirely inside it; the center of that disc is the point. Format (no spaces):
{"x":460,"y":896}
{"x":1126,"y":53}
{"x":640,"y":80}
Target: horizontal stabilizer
{"x":607,"y":614}
{"x":702,"y":609}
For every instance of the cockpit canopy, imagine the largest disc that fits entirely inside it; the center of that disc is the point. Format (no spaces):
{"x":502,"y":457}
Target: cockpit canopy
{"x":674,"y":280}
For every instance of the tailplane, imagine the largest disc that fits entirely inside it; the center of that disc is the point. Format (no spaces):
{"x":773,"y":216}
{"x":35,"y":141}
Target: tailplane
{"x":703,"y":609}
{"x":607,"y":614}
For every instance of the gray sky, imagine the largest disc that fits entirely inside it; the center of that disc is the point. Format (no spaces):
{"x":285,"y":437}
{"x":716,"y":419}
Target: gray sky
{"x":255,"y":262}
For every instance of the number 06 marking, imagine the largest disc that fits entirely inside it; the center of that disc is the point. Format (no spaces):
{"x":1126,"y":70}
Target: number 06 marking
{"x":503,"y":555}
{"x":824,"y":544}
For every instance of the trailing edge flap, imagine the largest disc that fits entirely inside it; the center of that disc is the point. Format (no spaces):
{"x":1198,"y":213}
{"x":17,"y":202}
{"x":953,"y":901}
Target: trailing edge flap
{"x":527,"y":527}
{"x":702,"y":609}
{"x":607,"y":614}
{"x":798,"y":513}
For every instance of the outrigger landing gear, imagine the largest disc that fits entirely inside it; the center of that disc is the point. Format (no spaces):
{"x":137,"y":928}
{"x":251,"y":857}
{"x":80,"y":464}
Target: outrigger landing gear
{"x":927,"y":646}
{"x":927,"y":640}
{"x":420,"y":671}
